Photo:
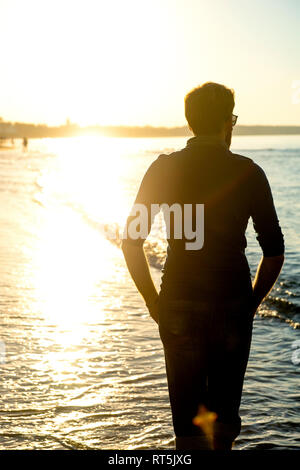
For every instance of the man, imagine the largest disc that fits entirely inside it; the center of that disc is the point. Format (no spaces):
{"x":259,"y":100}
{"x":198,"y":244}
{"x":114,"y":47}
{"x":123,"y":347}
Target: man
{"x":206,"y":304}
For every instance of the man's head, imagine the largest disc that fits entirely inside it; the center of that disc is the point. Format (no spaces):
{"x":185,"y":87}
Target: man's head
{"x":208,"y":109}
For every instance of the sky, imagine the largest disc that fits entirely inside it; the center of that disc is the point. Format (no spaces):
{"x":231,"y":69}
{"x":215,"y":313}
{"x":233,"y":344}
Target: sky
{"x":118,"y":62}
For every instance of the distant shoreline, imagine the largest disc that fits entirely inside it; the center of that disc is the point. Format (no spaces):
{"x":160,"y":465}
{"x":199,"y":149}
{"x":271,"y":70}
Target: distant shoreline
{"x":20,"y":130}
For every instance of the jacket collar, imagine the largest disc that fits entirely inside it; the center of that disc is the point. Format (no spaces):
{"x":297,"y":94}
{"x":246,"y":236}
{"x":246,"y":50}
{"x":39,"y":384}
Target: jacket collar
{"x":206,"y":140}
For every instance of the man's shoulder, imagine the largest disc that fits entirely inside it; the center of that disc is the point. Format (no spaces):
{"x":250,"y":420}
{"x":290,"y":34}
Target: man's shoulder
{"x":249,"y":168}
{"x":244,"y":161}
{"x":158,"y":167}
{"x":164,"y":160}
{"x":236,"y":157}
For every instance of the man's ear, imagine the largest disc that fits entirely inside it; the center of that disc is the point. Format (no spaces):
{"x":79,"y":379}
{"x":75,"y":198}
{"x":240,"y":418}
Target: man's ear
{"x":228,"y":125}
{"x":228,"y":131}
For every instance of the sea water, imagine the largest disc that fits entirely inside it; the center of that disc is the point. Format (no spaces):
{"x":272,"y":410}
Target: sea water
{"x":81,"y":361}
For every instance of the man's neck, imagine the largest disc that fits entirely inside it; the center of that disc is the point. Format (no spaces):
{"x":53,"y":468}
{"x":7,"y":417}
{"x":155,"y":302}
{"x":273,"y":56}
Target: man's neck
{"x":220,"y":136}
{"x":212,"y":138}
{"x":208,"y":140}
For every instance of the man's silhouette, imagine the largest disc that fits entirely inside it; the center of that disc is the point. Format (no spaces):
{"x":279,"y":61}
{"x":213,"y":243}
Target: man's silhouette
{"x":206,"y":304}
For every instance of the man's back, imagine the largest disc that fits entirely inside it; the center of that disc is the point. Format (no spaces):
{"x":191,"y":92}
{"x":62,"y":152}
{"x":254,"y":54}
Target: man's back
{"x":232,"y":188}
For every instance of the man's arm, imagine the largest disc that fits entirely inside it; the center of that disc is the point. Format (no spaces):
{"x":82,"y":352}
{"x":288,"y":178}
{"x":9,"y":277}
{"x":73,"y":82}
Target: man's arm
{"x":150,"y":192}
{"x":269,"y":236}
{"x":139,"y":269}
{"x":267,"y":272}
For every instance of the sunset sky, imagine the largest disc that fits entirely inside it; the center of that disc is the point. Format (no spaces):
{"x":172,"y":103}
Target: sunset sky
{"x":131,"y":62}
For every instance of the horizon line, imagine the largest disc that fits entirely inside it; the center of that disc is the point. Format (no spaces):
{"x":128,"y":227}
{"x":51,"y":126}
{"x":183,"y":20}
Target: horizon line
{"x":69,"y":123}
{"x":10,"y":129}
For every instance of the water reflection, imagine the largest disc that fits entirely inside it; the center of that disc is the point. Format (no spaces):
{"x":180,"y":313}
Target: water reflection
{"x":84,"y":365}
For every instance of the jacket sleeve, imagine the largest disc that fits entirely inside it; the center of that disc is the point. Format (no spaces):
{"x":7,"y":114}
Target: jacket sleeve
{"x":264,"y":216}
{"x":146,"y":205}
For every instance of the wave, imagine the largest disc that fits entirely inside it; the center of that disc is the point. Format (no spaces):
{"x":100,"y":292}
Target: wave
{"x":267,"y":149}
{"x":65,"y":442}
{"x":284,"y":305}
{"x":113,"y":233}
{"x":285,"y":311}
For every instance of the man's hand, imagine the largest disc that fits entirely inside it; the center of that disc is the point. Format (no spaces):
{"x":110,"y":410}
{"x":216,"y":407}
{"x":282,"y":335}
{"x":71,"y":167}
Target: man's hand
{"x":139,"y":269}
{"x":266,"y":275}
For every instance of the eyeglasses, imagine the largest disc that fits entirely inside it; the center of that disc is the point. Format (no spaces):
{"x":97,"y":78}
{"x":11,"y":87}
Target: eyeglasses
{"x":234,"y":119}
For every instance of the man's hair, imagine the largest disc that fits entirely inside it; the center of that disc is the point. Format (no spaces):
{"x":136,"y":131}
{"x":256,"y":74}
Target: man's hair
{"x":207,"y":107}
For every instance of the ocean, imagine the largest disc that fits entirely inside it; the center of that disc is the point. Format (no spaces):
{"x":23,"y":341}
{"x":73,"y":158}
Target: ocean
{"x":81,"y":362}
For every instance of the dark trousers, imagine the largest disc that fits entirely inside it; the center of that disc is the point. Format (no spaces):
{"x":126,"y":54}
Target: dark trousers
{"x":206,"y":345}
